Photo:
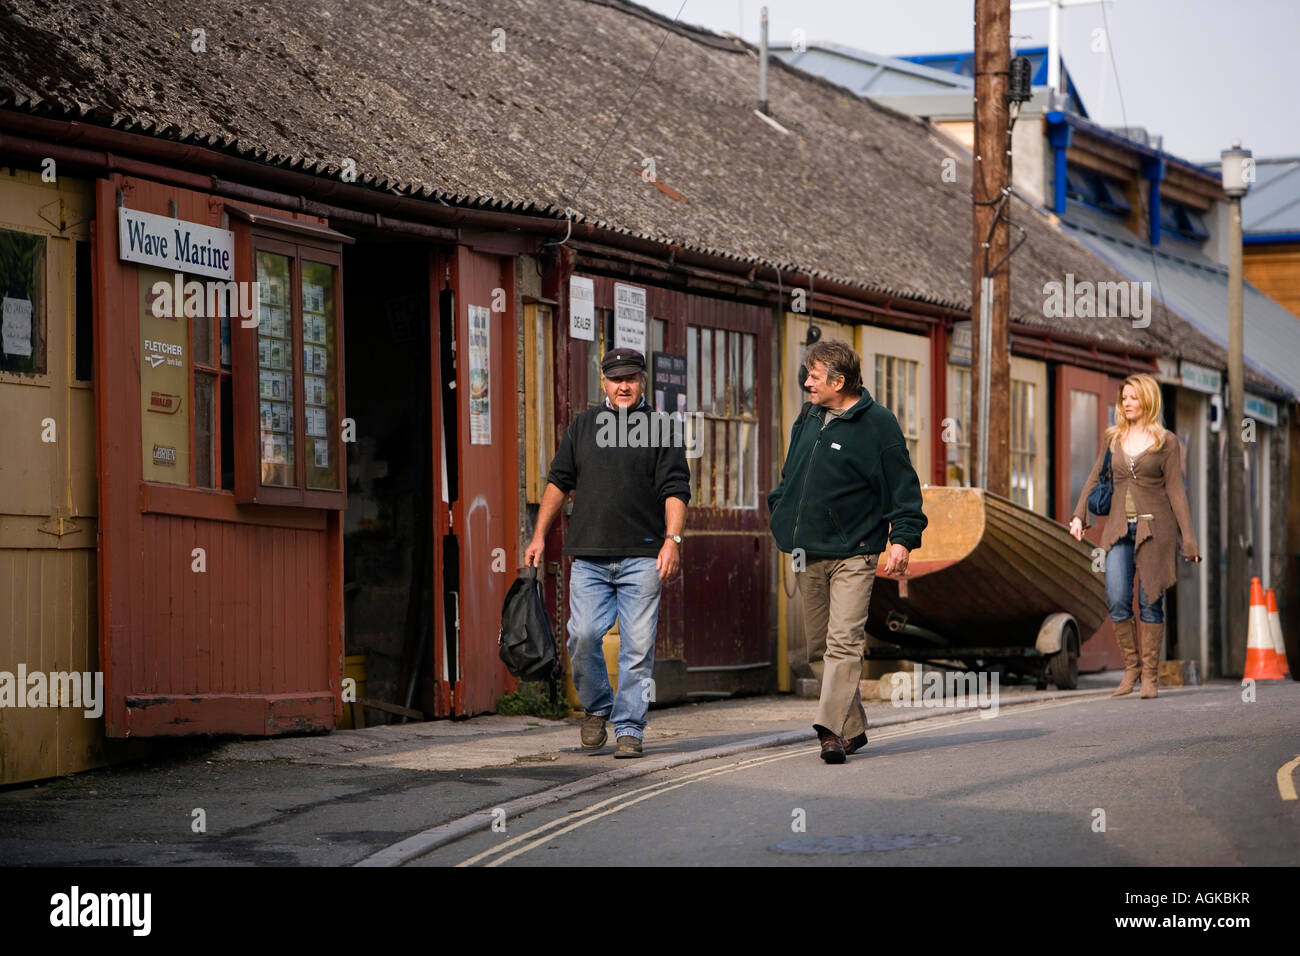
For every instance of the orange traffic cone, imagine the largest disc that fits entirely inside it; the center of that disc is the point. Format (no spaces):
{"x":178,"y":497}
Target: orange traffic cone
{"x":1275,"y":626}
{"x":1261,"y":659}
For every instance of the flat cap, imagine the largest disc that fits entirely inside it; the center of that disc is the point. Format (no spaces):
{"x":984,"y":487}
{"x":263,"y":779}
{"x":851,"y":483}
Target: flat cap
{"x":620,"y":362}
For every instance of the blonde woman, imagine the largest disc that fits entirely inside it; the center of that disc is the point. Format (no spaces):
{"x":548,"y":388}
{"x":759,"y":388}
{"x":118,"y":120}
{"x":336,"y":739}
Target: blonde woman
{"x":1148,"y":512}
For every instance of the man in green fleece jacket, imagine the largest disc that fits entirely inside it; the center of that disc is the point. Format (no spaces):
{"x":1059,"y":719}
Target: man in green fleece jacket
{"x":847,"y":488}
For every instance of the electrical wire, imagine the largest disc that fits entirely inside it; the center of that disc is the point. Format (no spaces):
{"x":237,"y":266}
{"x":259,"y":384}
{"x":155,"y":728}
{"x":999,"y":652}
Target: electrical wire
{"x":1142,"y":202}
{"x":614,"y":129}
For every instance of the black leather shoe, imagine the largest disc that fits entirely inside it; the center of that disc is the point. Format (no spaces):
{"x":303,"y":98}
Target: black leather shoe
{"x":856,"y":744}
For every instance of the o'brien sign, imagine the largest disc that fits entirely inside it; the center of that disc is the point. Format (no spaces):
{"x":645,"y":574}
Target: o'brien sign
{"x":175,"y":244}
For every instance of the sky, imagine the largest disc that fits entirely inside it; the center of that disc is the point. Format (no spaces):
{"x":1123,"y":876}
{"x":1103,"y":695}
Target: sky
{"x":1201,"y":73}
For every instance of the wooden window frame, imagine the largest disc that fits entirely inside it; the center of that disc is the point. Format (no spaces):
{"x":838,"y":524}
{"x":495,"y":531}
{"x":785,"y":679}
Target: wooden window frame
{"x":250,"y":239}
{"x":732,"y":413}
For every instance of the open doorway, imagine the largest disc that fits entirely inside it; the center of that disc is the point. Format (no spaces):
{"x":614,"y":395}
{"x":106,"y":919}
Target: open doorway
{"x":387,"y":551}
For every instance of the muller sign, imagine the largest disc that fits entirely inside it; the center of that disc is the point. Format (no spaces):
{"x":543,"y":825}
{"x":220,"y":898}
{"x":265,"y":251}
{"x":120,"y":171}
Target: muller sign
{"x":174,"y":244}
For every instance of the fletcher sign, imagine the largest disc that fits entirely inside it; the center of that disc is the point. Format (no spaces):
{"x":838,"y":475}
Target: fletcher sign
{"x":175,"y":244}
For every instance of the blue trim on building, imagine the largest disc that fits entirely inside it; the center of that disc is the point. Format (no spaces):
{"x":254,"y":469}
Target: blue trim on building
{"x":1264,"y":239}
{"x":1153,"y":169}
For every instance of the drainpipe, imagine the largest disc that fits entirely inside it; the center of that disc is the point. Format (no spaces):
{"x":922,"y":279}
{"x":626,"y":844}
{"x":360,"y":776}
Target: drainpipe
{"x":1058,"y":137}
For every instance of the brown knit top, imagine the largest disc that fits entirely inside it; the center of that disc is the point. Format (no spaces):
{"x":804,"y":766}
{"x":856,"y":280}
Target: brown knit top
{"x":1158,"y":491}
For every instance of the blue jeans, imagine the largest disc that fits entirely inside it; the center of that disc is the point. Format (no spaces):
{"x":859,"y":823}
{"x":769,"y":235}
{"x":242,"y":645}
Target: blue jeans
{"x":599,"y":589}
{"x":1119,"y":584}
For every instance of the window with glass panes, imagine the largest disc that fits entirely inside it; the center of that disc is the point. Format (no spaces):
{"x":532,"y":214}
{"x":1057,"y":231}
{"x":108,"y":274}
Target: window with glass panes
{"x":720,"y":383}
{"x":297,"y":454}
{"x":957,"y":438}
{"x":896,"y":384}
{"x":1024,"y":452}
{"x":214,"y":452}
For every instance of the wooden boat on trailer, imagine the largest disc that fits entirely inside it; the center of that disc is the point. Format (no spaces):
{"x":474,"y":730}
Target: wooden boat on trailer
{"x":993,"y":584}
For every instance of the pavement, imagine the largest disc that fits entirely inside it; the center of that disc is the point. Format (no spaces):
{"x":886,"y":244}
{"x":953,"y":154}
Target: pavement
{"x":383,"y":795}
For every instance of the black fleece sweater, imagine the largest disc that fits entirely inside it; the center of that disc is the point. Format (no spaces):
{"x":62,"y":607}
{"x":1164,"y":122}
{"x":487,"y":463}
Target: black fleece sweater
{"x":618,"y":509}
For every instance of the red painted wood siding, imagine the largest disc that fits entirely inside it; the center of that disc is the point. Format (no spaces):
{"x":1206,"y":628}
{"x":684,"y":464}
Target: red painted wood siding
{"x":254,"y":645}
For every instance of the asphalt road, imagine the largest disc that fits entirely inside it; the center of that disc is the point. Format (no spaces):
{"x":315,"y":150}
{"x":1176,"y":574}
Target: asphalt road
{"x":1189,"y":779}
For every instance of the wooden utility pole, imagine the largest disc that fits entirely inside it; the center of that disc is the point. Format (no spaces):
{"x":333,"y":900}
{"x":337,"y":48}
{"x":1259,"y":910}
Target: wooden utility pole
{"x":990,"y":268}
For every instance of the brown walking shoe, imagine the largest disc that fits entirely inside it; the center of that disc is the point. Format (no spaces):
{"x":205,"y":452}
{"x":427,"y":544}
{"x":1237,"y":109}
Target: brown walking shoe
{"x":832,"y":746}
{"x":593,"y":732}
{"x":629,"y":746}
{"x":856,"y":744}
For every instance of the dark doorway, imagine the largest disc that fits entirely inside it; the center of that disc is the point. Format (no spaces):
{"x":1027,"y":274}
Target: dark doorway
{"x":387,"y":558}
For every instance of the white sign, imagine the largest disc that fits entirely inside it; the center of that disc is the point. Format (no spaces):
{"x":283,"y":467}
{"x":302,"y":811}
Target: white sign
{"x":582,"y":308}
{"x":629,"y":317}
{"x":1201,"y":379}
{"x":16,"y":327}
{"x":175,"y":244}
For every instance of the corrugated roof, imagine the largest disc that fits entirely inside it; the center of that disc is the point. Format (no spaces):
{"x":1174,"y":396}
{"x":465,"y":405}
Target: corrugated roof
{"x":870,"y":74}
{"x":1196,"y":288}
{"x":421,"y":98}
{"x":1272,"y":206}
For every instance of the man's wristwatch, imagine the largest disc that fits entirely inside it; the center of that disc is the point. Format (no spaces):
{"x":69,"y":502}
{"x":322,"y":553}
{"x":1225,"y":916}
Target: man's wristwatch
{"x":676,"y":538}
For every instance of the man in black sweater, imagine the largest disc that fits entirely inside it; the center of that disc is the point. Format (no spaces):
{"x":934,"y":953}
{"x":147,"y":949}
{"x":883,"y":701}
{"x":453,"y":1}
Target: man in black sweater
{"x":627,"y":464}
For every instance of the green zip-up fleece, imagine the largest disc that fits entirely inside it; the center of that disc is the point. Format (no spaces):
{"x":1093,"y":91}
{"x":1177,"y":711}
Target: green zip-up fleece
{"x":847,"y":488}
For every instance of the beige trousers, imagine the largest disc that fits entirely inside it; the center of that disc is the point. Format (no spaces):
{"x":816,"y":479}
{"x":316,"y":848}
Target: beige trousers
{"x":836,"y":592}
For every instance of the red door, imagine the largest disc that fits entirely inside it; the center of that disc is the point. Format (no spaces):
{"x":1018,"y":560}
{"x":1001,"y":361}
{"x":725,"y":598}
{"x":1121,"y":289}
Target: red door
{"x":1085,"y":403}
{"x":715,"y":614}
{"x":481,"y":543}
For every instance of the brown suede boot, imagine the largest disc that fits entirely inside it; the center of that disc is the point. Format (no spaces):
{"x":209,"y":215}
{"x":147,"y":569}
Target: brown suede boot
{"x":1126,"y":637}
{"x":1153,"y":636}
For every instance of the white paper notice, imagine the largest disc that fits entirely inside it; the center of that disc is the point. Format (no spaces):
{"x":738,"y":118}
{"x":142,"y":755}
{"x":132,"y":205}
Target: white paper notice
{"x":629,"y":317}
{"x":16,"y":330}
{"x":582,"y":308}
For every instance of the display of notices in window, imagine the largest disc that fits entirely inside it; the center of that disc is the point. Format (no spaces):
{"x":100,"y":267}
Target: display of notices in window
{"x":320,"y":388}
{"x":275,"y":369}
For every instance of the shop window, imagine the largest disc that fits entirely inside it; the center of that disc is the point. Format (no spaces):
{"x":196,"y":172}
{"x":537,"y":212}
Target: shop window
{"x":720,"y":383}
{"x":1024,"y":451}
{"x":22,"y":286}
{"x":289,"y":450}
{"x":1023,"y":440}
{"x":897,"y":386}
{"x":958,"y":449}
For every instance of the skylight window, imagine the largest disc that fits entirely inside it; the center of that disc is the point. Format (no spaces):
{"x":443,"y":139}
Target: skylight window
{"x":1094,"y":189}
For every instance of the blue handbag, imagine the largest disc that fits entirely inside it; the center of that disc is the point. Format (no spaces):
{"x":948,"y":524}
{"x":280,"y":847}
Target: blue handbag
{"x":1099,"y":497}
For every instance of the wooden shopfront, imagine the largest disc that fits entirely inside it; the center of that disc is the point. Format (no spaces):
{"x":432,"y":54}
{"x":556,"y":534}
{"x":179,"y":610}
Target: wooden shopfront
{"x":220,"y":414}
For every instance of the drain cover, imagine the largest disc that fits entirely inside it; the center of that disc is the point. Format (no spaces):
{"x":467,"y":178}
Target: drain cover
{"x":867,"y":843}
